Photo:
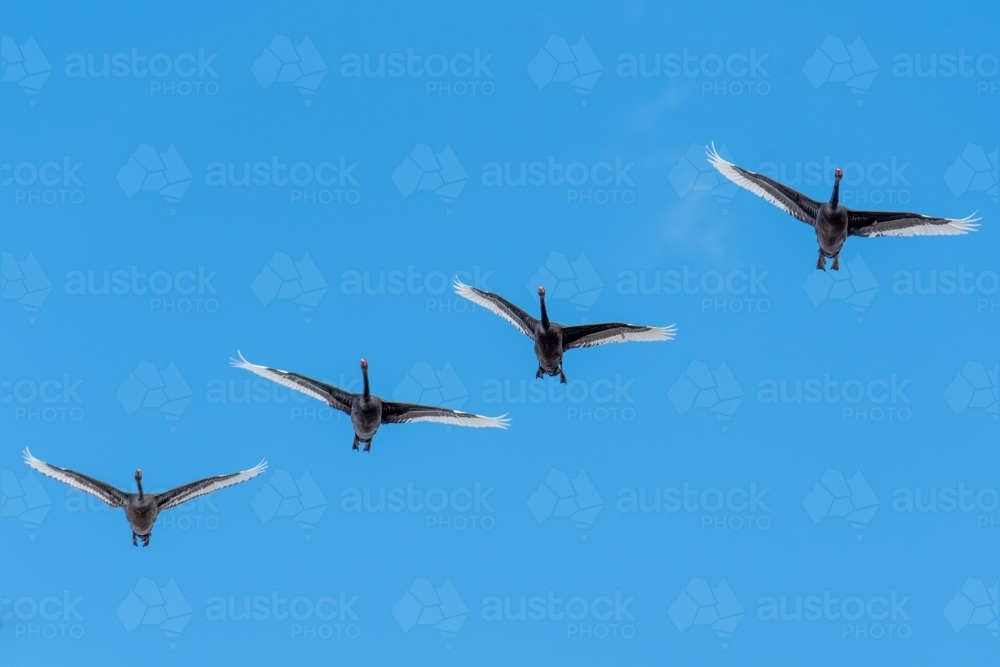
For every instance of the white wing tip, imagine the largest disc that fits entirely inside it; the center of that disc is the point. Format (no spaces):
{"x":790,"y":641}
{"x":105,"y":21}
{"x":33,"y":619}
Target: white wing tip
{"x":966,"y":224}
{"x":713,"y":156}
{"x":28,"y":458}
{"x":503,"y":421}
{"x":462,"y":289}
{"x":241,"y":362}
{"x":666,"y":333}
{"x":259,"y":468}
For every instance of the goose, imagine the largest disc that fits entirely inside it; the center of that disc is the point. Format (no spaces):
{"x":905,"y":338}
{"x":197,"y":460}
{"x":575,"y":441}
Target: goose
{"x":368,"y":411}
{"x":833,"y":222}
{"x":552,"y":339}
{"x":141,"y":509}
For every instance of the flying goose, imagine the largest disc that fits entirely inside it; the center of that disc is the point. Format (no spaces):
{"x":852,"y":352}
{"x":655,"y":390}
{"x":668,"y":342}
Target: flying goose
{"x":833,"y":222}
{"x":552,"y":339}
{"x":368,"y":411}
{"x":141,"y":509}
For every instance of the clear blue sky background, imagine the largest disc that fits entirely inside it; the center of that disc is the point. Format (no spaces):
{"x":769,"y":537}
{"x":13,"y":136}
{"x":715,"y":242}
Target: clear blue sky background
{"x":695,"y":583}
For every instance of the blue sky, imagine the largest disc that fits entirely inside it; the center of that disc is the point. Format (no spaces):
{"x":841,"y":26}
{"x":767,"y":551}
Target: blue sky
{"x":255,"y":180}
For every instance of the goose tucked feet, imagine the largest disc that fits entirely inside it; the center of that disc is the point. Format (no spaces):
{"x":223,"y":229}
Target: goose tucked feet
{"x":368,"y":446}
{"x":540,"y":373}
{"x":836,"y":262}
{"x":356,"y":441}
{"x":821,"y":262}
{"x":562,"y":376}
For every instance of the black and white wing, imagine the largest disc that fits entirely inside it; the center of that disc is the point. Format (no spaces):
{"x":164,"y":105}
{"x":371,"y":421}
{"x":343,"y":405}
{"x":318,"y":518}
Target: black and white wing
{"x":332,"y":396}
{"x":589,"y":335}
{"x":401,"y":413}
{"x":499,"y":305}
{"x":788,"y":200}
{"x":94,"y":487}
{"x":885,"y":223}
{"x":182,"y":494}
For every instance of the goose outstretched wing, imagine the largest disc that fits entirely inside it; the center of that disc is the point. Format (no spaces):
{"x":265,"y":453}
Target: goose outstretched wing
{"x":885,"y":223}
{"x":589,"y":335}
{"x":788,"y":200}
{"x":499,"y":305}
{"x":94,"y":487}
{"x":182,"y":494}
{"x":401,"y":413}
{"x":333,"y":396}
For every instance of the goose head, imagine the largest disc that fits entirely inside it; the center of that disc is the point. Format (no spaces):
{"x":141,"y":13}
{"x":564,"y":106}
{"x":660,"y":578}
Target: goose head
{"x":835,"y":197}
{"x":138,"y":481}
{"x":364,"y":373}
{"x":541,"y":299}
